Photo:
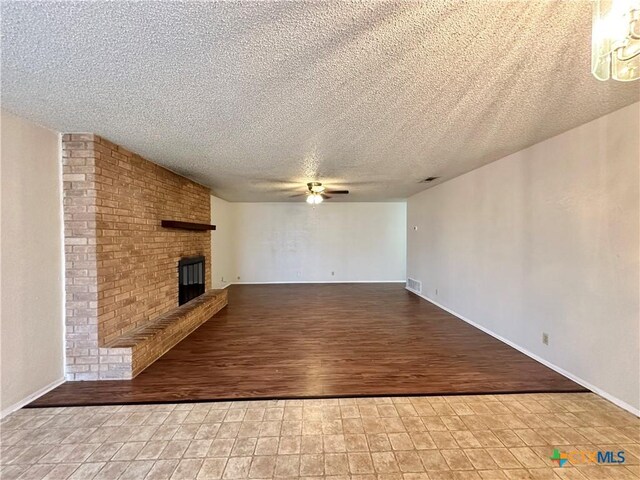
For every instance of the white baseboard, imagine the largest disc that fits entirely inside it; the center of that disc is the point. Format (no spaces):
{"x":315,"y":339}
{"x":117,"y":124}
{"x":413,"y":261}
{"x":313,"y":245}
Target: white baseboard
{"x":318,"y":281}
{"x":31,"y":398}
{"x":620,"y":403}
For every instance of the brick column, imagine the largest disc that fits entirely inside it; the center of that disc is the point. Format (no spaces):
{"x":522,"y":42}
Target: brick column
{"x":80,"y":198}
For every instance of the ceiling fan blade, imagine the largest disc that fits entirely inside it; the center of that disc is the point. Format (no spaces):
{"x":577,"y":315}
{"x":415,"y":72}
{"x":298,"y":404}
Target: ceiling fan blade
{"x":297,"y":195}
{"x":337,"y":192}
{"x":325,"y":196}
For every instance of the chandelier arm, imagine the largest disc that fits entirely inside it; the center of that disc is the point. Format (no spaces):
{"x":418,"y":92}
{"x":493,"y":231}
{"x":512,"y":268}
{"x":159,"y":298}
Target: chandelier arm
{"x":620,"y":56}
{"x":635,"y":20}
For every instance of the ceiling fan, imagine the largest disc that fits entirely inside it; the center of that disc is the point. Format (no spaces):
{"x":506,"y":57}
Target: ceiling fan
{"x":316,"y":193}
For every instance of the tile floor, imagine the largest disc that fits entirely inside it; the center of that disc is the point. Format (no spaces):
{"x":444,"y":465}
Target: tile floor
{"x":462,"y":437}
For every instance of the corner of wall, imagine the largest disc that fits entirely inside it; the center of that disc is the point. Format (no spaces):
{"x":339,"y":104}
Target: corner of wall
{"x":545,"y":238}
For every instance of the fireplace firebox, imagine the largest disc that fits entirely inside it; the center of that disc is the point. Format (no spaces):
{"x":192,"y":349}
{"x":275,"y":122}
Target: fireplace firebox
{"x":190,"y":278}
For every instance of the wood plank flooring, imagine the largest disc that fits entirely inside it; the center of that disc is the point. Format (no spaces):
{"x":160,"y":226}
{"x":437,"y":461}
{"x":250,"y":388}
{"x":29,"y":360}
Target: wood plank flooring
{"x":321,"y":340}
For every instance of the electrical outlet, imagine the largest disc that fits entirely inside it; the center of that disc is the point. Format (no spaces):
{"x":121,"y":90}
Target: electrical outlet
{"x":436,"y":291}
{"x":333,"y":273}
{"x":238,"y":277}
{"x":545,"y":338}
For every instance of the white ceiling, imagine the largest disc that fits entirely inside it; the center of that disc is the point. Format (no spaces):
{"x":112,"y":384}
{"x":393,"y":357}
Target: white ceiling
{"x":248,"y":96}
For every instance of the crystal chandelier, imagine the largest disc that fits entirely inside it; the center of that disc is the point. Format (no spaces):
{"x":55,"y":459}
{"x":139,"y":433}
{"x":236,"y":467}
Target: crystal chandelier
{"x":615,"y":49}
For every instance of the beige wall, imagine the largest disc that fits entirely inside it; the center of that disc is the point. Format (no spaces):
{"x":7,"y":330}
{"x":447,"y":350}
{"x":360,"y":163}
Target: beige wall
{"x":545,"y":240}
{"x":294,"y":242}
{"x":31,"y":261}
{"x":222,"y":245}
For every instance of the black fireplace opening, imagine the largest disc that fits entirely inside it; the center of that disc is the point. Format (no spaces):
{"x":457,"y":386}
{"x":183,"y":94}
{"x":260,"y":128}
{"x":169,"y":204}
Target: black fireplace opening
{"x":190,"y":279}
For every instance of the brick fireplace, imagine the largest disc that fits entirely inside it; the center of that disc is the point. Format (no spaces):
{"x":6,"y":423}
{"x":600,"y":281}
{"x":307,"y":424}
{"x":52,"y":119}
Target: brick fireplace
{"x":122,"y":266}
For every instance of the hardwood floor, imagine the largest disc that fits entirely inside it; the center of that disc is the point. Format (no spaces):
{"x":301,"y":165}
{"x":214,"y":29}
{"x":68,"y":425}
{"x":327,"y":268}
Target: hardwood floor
{"x":317,"y":340}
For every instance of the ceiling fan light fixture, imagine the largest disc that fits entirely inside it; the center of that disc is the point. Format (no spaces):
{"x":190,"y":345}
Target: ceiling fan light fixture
{"x":314,"y":199}
{"x":315,"y":187}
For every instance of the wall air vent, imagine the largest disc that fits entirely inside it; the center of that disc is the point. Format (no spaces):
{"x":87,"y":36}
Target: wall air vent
{"x":414,"y":285}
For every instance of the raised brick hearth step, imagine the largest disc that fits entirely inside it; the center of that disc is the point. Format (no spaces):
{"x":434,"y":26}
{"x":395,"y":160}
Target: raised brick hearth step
{"x":126,"y":356}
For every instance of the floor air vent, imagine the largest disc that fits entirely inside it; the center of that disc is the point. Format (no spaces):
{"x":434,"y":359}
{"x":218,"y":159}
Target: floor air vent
{"x":414,"y":285}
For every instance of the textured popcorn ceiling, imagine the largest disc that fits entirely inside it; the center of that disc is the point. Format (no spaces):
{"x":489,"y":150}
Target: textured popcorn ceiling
{"x":246,"y":96}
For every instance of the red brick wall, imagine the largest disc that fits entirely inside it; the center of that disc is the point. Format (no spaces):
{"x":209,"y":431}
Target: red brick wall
{"x":121,"y":264}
